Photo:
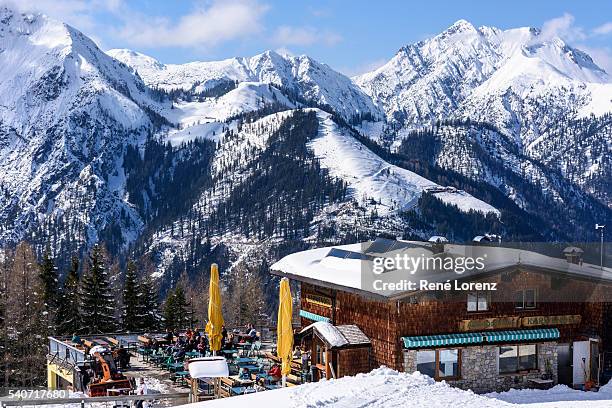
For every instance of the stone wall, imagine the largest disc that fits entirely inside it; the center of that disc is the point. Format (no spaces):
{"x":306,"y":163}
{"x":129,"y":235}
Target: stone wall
{"x":479,"y":371}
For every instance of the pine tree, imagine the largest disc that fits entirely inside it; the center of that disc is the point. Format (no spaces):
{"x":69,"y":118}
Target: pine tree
{"x":176,"y":312}
{"x":130,"y":318}
{"x":169,"y":322}
{"x":148,"y":315}
{"x":69,"y":315}
{"x":50,"y":294}
{"x":97,"y":302}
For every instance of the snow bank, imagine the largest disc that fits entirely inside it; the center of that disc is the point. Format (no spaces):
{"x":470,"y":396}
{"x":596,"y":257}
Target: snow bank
{"x":386,"y":388}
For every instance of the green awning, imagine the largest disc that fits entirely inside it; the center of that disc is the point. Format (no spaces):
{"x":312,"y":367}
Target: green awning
{"x":313,"y":317}
{"x":442,"y":340}
{"x":520,"y":335}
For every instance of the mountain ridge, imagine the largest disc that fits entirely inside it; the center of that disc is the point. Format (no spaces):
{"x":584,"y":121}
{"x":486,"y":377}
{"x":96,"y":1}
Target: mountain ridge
{"x":96,"y":149}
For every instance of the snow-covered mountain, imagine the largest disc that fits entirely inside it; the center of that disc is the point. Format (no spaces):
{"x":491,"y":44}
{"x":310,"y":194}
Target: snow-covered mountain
{"x":301,"y":75}
{"x":528,"y":85}
{"x":67,"y":110}
{"x":195,"y":162}
{"x":519,"y":80}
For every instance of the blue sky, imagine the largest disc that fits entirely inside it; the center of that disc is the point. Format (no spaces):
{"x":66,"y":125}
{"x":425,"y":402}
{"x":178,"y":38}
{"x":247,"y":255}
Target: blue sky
{"x":351,"y":36}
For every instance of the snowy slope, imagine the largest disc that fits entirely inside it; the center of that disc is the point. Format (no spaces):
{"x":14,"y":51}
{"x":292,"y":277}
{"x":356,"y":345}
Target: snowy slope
{"x":389,"y":389}
{"x":373,"y":179}
{"x":310,"y":79}
{"x":206,"y":119}
{"x":67,"y":112}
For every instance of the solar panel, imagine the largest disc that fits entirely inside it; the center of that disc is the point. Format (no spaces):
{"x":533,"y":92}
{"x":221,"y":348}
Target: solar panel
{"x":343,"y":254}
{"x":383,"y":245}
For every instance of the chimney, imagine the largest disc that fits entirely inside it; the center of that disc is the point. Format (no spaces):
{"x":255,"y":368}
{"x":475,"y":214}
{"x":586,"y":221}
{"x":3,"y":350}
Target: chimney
{"x":437,"y":244}
{"x":573,"y":255}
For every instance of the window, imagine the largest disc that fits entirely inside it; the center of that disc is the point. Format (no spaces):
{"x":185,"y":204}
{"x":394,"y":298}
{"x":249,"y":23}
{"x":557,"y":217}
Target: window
{"x":426,"y":362}
{"x":477,"y":302}
{"x":439,"y":364}
{"x":514,"y":359}
{"x":448,"y":365}
{"x":525,"y":299}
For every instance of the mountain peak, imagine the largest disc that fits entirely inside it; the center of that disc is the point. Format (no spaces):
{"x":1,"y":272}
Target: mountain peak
{"x":460,"y":26}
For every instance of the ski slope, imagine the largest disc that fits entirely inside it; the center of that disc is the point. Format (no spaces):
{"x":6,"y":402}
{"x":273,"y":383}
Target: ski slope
{"x":373,"y":180}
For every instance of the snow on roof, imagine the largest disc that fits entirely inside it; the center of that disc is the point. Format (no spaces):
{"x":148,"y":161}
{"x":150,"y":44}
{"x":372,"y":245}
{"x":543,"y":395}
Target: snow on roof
{"x":316,"y":266}
{"x":338,"y":336}
{"x":384,"y":387}
{"x":328,"y":332}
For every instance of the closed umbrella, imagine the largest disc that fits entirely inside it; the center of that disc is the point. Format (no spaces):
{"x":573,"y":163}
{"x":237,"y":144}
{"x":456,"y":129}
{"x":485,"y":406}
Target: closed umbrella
{"x":284,"y":328}
{"x":215,"y":316}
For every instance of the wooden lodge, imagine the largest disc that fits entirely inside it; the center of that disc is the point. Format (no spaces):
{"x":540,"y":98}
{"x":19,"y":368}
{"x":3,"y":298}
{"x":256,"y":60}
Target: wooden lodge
{"x":547,"y":320}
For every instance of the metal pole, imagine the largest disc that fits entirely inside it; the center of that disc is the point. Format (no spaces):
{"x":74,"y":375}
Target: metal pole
{"x":601,"y":247}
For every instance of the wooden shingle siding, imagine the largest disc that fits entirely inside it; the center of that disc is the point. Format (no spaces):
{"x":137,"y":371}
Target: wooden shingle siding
{"x":386,"y":321}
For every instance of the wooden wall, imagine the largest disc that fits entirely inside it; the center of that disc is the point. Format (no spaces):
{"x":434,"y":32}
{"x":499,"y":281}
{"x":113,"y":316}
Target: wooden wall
{"x":385,"y":322}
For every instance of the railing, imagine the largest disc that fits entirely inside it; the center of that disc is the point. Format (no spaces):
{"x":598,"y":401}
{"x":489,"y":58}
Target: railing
{"x":176,"y":398}
{"x":65,"y":352}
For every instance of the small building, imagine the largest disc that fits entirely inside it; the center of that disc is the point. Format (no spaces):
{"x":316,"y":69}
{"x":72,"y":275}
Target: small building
{"x":336,"y":351}
{"x":546,"y":321}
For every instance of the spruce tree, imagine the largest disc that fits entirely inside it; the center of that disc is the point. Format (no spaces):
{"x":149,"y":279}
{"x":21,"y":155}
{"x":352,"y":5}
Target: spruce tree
{"x":69,"y":315}
{"x":148,"y":314}
{"x":169,"y":322}
{"x":131,"y":300}
{"x":181,"y":310}
{"x":176,"y":313}
{"x":96,"y":299}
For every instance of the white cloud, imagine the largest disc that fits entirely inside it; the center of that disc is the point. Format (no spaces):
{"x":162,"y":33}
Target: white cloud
{"x":205,"y":27}
{"x":562,"y":27}
{"x":603,"y":29}
{"x":304,"y":36}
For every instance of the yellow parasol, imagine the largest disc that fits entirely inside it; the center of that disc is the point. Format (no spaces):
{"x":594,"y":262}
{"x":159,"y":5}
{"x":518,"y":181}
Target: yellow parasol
{"x":215,"y":316}
{"x":284,"y":328}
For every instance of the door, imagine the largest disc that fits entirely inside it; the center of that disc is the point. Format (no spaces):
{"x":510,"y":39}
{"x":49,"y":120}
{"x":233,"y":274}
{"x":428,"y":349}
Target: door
{"x":564,"y":364}
{"x":594,"y":358}
{"x":580,"y":362}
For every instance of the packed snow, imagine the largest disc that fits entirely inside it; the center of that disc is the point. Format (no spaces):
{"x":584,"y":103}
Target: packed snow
{"x":386,"y":388}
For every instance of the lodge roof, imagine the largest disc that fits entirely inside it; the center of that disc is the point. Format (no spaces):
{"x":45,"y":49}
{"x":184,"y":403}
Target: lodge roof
{"x":347,"y":335}
{"x":342,"y":267}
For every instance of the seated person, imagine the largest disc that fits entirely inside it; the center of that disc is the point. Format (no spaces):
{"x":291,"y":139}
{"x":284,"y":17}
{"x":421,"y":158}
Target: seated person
{"x":253,"y":337}
{"x":244,"y":374}
{"x":275,"y":373}
{"x":76,"y":339}
{"x":202,"y":346}
{"x":179,"y":354}
{"x":123,"y":357}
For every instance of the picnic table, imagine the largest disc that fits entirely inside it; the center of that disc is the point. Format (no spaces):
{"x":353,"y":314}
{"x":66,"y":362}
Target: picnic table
{"x":157,"y":359}
{"x":181,"y":377}
{"x":192,"y":354}
{"x":175,"y":366}
{"x":229,"y":353}
{"x":245,"y":361}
